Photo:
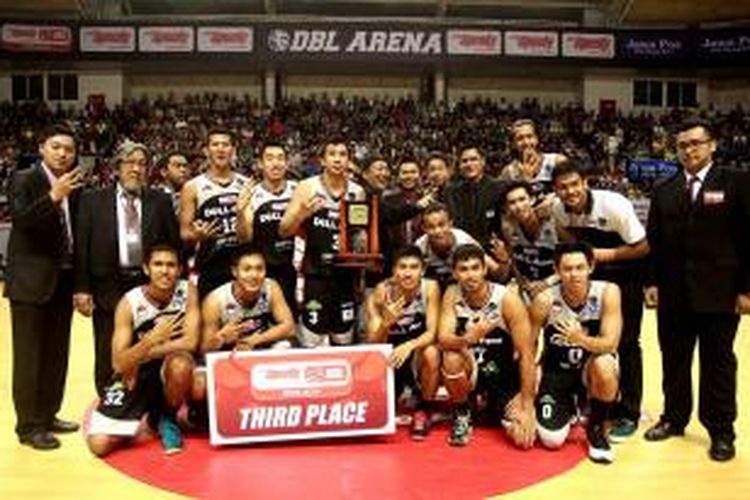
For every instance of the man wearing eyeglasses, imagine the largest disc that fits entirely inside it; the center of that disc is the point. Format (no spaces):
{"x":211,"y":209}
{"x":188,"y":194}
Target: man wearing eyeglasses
{"x":699,"y":278}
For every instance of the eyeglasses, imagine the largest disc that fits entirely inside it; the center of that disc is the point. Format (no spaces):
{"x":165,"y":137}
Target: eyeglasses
{"x":685,"y":145}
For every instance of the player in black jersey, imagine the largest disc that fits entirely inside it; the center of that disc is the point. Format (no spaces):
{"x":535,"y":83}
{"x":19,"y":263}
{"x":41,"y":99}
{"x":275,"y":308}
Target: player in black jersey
{"x":403,"y":311}
{"x":580,"y":321}
{"x":156,"y":329}
{"x":208,"y":211}
{"x":527,"y":242}
{"x":488,"y":350}
{"x":328,"y":307}
{"x":260,"y":208}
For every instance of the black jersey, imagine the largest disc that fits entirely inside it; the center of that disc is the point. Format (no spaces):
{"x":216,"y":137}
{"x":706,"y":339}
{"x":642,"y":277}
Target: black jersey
{"x":257,"y":316}
{"x":534,"y":259}
{"x":559,"y":355}
{"x":440,"y":268}
{"x":322,"y":229}
{"x":497,"y":345}
{"x":413,"y":320}
{"x":269,"y":208}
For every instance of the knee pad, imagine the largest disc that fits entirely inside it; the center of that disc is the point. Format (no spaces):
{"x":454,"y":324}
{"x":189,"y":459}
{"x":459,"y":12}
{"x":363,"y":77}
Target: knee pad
{"x":553,"y":438}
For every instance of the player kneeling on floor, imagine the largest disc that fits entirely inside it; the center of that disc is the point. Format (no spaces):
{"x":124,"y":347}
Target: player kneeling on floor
{"x":580,"y":321}
{"x":403,"y":311}
{"x":488,"y":350}
{"x":156,"y":329}
{"x":248,"y":313}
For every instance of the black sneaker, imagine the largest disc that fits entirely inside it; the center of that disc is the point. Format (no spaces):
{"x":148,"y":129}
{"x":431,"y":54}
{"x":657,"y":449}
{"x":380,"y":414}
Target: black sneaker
{"x":420,"y":425}
{"x":461,"y":428}
{"x":599,"y":449}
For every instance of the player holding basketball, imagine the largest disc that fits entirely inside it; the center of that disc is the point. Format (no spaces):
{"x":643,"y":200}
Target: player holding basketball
{"x":403,"y":311}
{"x":580,"y":321}
{"x":156,"y":328}
{"x":482,"y":327}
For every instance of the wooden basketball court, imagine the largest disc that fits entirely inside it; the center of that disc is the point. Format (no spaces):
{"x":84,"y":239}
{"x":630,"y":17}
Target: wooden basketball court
{"x":678,"y":468}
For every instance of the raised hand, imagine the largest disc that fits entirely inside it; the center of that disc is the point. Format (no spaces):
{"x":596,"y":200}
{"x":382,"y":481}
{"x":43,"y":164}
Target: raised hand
{"x":66,"y":184}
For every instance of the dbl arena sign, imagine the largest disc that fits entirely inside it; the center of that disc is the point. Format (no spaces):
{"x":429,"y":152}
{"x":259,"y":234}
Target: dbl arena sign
{"x":277,"y":395}
{"x":343,"y":42}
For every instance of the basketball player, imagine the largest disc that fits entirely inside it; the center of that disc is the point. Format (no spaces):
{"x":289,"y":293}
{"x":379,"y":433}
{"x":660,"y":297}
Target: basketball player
{"x":156,"y":329}
{"x":482,"y":327}
{"x":208,"y":211}
{"x":328,"y":306}
{"x":531,"y":165}
{"x":580,"y":322}
{"x":403,"y":311}
{"x":607,"y":220}
{"x":260,"y":209}
{"x":527,"y":242}
{"x":438,"y":243}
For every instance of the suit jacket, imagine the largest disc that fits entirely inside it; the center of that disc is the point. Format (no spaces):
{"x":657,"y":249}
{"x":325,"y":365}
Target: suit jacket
{"x":97,"y":257}
{"x":36,"y":244}
{"x":474,"y":206}
{"x":700,"y":251}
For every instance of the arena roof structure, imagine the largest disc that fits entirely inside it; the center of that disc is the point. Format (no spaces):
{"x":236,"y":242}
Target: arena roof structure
{"x":572,"y":12}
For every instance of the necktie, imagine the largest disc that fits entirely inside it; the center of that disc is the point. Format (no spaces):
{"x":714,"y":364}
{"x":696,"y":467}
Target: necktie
{"x":132,"y":231}
{"x":67,"y":243}
{"x":693,"y":186}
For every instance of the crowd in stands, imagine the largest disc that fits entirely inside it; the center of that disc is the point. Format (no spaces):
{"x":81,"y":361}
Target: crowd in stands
{"x":391,"y":129}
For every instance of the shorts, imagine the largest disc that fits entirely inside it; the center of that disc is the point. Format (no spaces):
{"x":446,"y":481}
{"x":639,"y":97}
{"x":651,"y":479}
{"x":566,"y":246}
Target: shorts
{"x":561,"y":394}
{"x":407,"y":375}
{"x":328,"y":309}
{"x":120,"y":410}
{"x":214,"y":271}
{"x":286,"y":277}
{"x":499,"y":384}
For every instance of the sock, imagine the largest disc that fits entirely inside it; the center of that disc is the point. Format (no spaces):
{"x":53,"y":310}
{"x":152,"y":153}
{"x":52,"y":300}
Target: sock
{"x":599,"y":411}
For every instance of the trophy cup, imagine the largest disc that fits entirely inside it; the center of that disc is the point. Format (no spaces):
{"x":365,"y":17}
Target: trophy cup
{"x":359,"y":242}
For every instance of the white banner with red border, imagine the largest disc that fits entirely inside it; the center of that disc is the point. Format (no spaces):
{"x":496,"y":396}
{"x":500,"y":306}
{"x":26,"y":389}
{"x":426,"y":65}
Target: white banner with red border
{"x":166,"y":39}
{"x":107,"y":39}
{"x":225,"y":39}
{"x":532,"y":43}
{"x":588,"y":45}
{"x":36,"y":38}
{"x":474,"y":42}
{"x":281,"y":395}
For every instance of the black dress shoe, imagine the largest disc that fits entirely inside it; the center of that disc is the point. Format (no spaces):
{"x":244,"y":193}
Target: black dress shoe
{"x":40,"y":440}
{"x":721,"y":450}
{"x":62,"y":426}
{"x":663,"y":430}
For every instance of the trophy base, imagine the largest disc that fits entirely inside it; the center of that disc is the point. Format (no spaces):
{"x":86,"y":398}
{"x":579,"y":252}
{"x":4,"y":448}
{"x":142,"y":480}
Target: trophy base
{"x":367,"y":261}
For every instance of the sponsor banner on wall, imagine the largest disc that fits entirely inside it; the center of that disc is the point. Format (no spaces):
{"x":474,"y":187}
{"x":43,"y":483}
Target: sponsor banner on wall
{"x":532,"y":43}
{"x":36,"y":38}
{"x":225,"y":39}
{"x":166,"y":39}
{"x":351,"y":42}
{"x":474,"y":42}
{"x":653,"y":45}
{"x":588,"y":45}
{"x":107,"y":38}
{"x":730,"y":43}
{"x":278,"y":395}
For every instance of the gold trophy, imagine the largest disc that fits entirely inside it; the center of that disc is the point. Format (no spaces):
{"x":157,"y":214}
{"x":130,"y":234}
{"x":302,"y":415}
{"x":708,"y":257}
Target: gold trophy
{"x":359,"y":241}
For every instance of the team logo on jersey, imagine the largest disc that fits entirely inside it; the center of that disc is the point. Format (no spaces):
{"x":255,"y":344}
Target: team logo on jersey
{"x":313,"y":305}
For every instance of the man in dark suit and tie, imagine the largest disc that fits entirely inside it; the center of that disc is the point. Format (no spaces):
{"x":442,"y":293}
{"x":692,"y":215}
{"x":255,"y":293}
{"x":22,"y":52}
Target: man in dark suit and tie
{"x":700,"y":279}
{"x":39,"y":285}
{"x":115,"y":226}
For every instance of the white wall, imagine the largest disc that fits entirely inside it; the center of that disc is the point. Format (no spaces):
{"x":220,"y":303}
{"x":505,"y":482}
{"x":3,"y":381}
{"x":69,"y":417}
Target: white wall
{"x":392,"y":87}
{"x":138,"y":85}
{"x":109,"y":84}
{"x":514,"y":90}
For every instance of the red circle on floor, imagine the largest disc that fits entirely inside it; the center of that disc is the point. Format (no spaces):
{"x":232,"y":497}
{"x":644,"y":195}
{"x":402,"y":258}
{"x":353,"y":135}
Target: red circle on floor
{"x":386,"y":467}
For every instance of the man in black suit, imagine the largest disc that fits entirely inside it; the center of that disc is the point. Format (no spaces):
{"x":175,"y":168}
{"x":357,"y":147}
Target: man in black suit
{"x":40,"y":287}
{"x":115,"y":226}
{"x":700,"y":278}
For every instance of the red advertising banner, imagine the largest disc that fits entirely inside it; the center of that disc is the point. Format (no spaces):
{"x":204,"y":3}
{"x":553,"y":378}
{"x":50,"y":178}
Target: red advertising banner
{"x":36,"y":38}
{"x":166,"y":39}
{"x":225,"y":39}
{"x":531,"y":43}
{"x":107,"y":39}
{"x":588,"y":45}
{"x":261,"y":396}
{"x":474,"y":42}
